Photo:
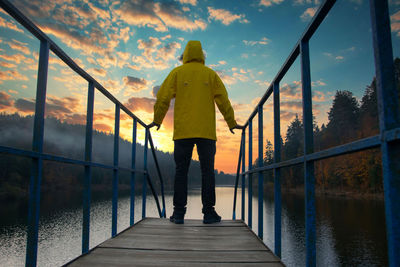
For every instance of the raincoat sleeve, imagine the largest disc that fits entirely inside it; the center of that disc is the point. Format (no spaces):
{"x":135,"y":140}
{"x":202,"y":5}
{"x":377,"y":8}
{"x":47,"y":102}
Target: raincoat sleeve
{"x":165,"y":94}
{"x":223,"y":103}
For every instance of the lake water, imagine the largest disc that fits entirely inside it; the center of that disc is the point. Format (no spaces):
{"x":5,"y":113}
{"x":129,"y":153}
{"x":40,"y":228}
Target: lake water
{"x":349,"y":232}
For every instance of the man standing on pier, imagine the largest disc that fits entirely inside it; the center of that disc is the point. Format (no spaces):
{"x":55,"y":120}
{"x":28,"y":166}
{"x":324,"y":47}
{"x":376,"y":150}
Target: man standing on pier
{"x":195,"y":88}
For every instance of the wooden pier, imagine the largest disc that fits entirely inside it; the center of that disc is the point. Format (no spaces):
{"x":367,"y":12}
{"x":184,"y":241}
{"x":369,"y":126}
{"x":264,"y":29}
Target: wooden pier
{"x":158,"y":242}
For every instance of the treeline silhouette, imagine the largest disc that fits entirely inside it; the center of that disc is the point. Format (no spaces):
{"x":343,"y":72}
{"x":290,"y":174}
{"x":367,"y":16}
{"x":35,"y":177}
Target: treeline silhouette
{"x":68,"y":140}
{"x":348,"y":120}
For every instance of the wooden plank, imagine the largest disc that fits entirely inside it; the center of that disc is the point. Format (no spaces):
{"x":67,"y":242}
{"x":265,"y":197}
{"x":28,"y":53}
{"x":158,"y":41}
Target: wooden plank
{"x":190,"y":222}
{"x":126,"y":256}
{"x":202,"y":231}
{"x":158,"y":242}
{"x":188,"y":243}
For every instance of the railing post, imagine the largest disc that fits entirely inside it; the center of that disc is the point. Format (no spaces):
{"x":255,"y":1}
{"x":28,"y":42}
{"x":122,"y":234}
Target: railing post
{"x":260,"y":174}
{"x":277,"y":171}
{"x":88,"y":170}
{"x":250,"y":182}
{"x":308,"y":149}
{"x":115,"y":173}
{"x":37,"y":163}
{"x":237,"y":179}
{"x":133,"y":173}
{"x":243,"y":170}
{"x":146,"y":140}
{"x":389,"y":118}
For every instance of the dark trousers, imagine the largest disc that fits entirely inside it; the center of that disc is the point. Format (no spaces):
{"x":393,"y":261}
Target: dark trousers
{"x":183,"y":154}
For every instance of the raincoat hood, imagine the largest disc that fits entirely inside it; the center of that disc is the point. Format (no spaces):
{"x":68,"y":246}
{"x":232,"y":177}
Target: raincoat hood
{"x":193,"y":52}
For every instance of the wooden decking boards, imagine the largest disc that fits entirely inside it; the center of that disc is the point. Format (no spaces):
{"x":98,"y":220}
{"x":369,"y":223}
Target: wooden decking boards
{"x":158,"y":242}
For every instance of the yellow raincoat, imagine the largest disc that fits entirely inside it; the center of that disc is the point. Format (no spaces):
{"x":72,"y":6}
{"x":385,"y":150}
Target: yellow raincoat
{"x":195,"y":88}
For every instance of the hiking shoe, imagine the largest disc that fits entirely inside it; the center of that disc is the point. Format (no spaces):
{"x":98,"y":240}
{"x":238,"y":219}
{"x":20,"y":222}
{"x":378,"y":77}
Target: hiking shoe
{"x":211,"y":217}
{"x":177,"y":218}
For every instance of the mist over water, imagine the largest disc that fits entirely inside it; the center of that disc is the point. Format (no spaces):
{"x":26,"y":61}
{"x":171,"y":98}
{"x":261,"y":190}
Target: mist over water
{"x":349,"y":232}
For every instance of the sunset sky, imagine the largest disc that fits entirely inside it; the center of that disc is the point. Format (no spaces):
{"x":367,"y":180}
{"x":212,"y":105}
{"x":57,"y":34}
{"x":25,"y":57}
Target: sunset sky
{"x":131,"y":46}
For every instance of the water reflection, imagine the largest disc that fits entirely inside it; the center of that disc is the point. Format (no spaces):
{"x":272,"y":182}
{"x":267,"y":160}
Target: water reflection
{"x":349,"y":232}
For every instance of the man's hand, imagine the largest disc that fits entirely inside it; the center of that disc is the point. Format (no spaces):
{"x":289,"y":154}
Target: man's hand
{"x":151,"y":125}
{"x":240,"y":127}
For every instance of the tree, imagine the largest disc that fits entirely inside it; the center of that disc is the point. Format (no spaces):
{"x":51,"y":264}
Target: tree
{"x":294,"y":139}
{"x":269,"y":153}
{"x":343,"y":118}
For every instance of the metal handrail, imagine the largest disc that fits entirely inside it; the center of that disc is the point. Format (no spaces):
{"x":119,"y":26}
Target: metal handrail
{"x":387,"y":140}
{"x":159,"y":174}
{"x":37,"y":155}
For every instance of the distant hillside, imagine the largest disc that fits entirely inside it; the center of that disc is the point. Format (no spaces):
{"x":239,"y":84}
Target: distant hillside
{"x":68,"y":140}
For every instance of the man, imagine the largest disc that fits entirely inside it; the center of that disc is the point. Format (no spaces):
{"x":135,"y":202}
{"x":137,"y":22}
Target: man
{"x":195,"y":88}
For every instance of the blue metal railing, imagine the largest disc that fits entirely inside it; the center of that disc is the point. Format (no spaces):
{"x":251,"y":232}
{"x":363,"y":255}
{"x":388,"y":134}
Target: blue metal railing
{"x":388,"y":139}
{"x":37,"y":155}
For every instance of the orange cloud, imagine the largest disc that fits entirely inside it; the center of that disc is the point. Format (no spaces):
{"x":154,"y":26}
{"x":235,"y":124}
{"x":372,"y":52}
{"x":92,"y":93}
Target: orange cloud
{"x":225,"y":16}
{"x":7,"y":65}
{"x":12,"y":75}
{"x":9,"y":25}
{"x":308,"y":13}
{"x":160,"y":16}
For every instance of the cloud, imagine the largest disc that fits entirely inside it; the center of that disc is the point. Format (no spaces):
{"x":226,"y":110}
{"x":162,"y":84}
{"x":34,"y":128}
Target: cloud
{"x":191,"y":2}
{"x":140,"y":103}
{"x":25,"y":105}
{"x":101,"y":13}
{"x":262,"y":83}
{"x":5,"y":101}
{"x":225,"y":16}
{"x":318,"y":96}
{"x":9,"y":25}
{"x":308,"y":13}
{"x":76,"y":40}
{"x":292,"y":105}
{"x":226,"y":79}
{"x":336,"y":57}
{"x":155,"y":55}
{"x":303,"y":2}
{"x":168,"y":51}
{"x":267,"y":3}
{"x":16,"y":58}
{"x":291,"y":91}
{"x":241,"y":77}
{"x":395,"y":23}
{"x":173,"y":17}
{"x":160,"y":16}
{"x":287,"y":115}
{"x":19,"y":46}
{"x":36,"y":8}
{"x":59,"y":107}
{"x":7,"y":65}
{"x":263,"y":41}
{"x":135,"y":84}
{"x":80,"y":25}
{"x":12,"y":75}
{"x":318,"y":83}
{"x":98,"y":72}
{"x":140,"y":13}
{"x":145,"y":104}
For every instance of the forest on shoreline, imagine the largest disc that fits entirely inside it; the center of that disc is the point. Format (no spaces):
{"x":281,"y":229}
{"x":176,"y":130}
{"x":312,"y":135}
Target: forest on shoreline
{"x":357,"y":174}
